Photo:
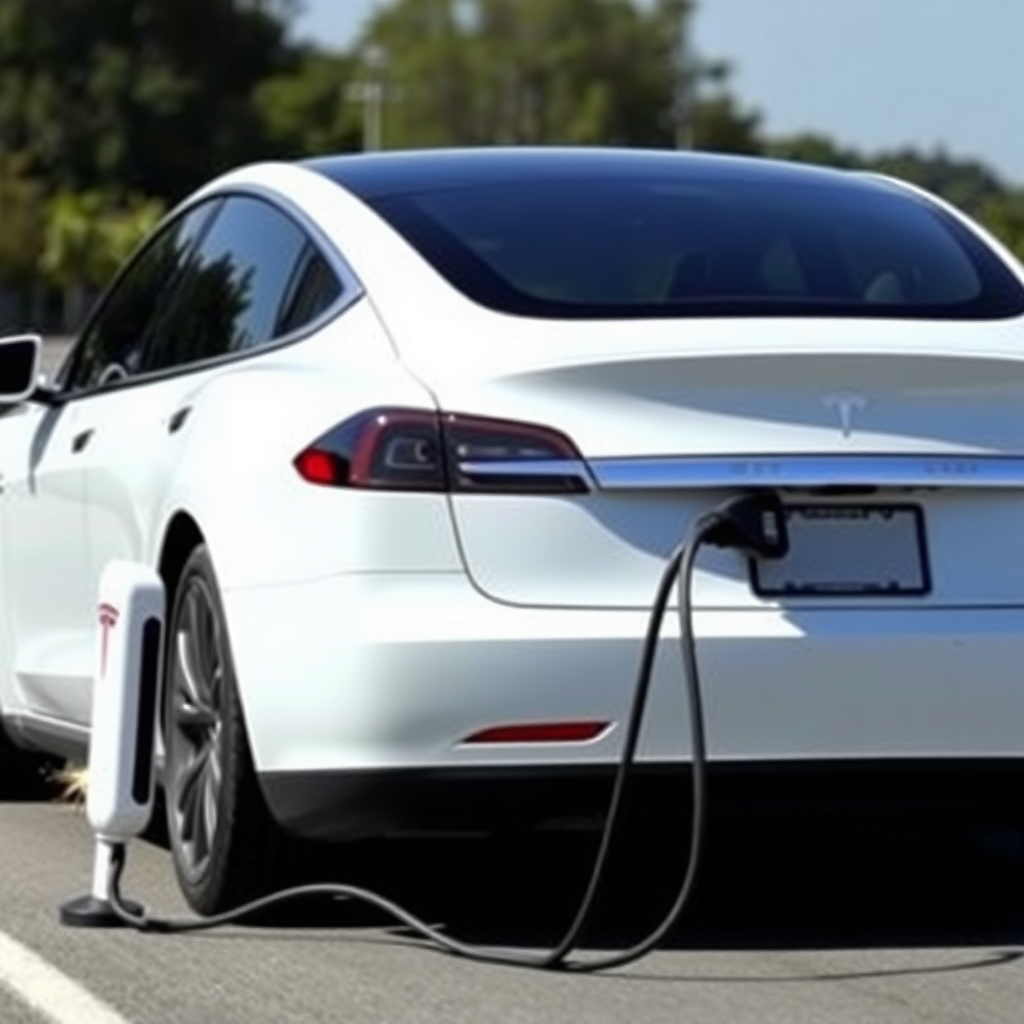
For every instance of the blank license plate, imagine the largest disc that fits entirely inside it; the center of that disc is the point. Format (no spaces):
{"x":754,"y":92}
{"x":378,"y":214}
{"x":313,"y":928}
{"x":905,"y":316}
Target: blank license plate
{"x":848,"y":551}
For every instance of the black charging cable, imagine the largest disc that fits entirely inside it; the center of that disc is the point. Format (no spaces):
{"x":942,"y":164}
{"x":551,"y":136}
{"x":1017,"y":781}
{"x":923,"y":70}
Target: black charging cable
{"x":751,"y":523}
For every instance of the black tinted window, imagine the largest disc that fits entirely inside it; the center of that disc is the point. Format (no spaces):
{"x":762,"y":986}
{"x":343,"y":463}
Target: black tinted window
{"x":112,"y":345}
{"x":314,"y":289}
{"x":735,"y":246}
{"x":231,"y":295}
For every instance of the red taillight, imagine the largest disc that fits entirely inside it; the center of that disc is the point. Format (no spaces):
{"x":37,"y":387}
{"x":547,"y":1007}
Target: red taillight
{"x":319,"y":467}
{"x":410,"y":449}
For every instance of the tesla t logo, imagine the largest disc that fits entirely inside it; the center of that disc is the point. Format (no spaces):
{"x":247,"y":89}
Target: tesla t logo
{"x":845,"y":404}
{"x":108,"y":616}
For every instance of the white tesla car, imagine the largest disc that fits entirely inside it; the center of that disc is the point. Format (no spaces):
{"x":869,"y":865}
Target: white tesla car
{"x":409,"y":436}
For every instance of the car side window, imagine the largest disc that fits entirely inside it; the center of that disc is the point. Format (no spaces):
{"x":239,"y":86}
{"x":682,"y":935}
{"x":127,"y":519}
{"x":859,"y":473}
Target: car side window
{"x":112,"y":345}
{"x":249,"y":282}
{"x":314,"y":289}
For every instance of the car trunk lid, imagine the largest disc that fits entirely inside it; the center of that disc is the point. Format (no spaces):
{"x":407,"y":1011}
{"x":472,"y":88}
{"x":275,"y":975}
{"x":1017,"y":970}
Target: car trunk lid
{"x":898,"y":446}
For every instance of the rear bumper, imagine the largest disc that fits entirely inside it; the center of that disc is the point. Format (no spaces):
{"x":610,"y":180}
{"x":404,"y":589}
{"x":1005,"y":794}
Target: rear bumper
{"x":353,"y":684}
{"x":361,"y":804}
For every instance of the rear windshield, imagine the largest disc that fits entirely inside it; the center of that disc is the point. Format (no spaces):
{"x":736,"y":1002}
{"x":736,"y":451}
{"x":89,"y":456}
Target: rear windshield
{"x":604,"y":248}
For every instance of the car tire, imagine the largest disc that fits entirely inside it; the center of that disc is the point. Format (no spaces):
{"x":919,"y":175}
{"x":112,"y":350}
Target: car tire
{"x":225,"y":846}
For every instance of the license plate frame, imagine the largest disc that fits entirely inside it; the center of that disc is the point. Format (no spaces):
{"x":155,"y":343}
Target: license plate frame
{"x":897,"y":531}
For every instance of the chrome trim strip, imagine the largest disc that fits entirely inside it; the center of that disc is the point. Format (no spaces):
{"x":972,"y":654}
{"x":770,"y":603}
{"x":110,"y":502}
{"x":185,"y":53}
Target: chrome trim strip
{"x":527,"y":467}
{"x":724,"y":471}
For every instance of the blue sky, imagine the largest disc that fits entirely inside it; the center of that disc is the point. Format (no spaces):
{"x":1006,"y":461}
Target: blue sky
{"x":871,"y":73}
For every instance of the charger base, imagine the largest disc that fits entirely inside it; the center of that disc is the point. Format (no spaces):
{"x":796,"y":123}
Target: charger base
{"x":92,"y":912}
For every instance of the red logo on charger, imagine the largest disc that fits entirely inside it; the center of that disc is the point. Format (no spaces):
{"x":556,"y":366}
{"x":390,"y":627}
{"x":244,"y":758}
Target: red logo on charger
{"x":108,"y":616}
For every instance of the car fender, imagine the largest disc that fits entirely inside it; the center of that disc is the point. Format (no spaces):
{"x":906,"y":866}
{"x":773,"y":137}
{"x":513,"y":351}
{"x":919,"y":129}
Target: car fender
{"x":235,"y":474}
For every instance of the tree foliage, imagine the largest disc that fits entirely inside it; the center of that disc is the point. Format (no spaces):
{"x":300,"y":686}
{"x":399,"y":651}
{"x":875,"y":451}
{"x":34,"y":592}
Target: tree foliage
{"x":86,"y":237}
{"x":306,"y":109}
{"x":481,"y":72}
{"x":1003,"y":214}
{"x":110,"y":110}
{"x":153,"y":95}
{"x":23,"y":214}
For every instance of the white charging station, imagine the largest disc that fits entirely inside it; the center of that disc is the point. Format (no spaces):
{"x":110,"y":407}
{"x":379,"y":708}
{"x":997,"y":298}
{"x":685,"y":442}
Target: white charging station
{"x":125,"y":703}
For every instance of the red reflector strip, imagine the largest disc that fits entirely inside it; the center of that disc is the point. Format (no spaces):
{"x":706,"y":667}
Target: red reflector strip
{"x":539,"y":732}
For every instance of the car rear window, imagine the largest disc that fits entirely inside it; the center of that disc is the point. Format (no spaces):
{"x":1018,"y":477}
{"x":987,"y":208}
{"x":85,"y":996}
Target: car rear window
{"x":601,"y":248}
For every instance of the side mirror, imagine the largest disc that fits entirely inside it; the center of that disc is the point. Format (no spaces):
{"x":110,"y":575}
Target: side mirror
{"x":20,"y":357}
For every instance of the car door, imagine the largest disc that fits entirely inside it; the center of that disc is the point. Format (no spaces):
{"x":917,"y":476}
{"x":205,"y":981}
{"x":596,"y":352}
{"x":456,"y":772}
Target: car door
{"x":249,"y":282}
{"x":49,"y":576}
{"x":44,"y":570}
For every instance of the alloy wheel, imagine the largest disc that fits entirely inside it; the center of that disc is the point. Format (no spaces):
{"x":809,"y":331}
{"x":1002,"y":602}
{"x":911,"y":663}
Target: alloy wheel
{"x":195,"y":722}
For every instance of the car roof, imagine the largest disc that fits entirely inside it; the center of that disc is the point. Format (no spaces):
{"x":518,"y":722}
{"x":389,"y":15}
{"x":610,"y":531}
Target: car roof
{"x":376,"y":175}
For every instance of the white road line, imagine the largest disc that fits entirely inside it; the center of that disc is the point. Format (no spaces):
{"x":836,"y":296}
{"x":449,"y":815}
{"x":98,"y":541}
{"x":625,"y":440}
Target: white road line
{"x":55,"y":996}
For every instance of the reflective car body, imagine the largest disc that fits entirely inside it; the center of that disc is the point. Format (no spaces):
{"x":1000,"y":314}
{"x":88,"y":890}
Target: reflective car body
{"x":438,"y":418}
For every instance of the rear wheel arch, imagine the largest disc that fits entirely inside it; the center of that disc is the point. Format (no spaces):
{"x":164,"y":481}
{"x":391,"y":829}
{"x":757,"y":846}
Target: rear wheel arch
{"x":181,"y":538}
{"x":225,"y":845}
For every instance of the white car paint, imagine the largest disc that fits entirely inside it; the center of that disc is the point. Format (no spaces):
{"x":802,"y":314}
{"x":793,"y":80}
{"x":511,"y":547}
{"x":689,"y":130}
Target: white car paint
{"x":48,"y":587}
{"x":383,"y":629}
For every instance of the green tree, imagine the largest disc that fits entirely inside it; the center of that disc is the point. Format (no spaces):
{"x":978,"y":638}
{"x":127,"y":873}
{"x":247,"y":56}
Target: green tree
{"x":1004,"y":217}
{"x":309,"y":108}
{"x":87,"y":236}
{"x":23,"y":212}
{"x":966,"y":183}
{"x":813,"y":148}
{"x":152,"y":96}
{"x":478,"y":72}
{"x":71,"y":248}
{"x":719,"y":125}
{"x":122,"y":227}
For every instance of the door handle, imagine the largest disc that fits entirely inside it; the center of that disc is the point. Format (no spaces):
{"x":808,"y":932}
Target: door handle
{"x":81,"y":441}
{"x":177,"y":420}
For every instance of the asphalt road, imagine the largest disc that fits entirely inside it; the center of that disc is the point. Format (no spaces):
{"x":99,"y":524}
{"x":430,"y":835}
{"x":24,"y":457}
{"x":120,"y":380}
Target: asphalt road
{"x":875,"y":925}
{"x":792,"y":924}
